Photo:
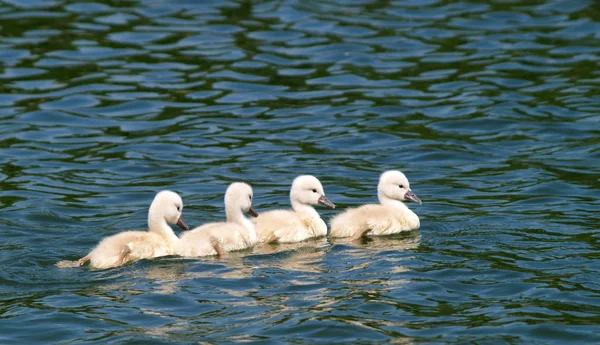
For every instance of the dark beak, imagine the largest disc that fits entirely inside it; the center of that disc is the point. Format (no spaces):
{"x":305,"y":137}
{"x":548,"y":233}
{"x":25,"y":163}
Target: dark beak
{"x":252,"y":212}
{"x":410,"y":196}
{"x":324,"y":201}
{"x":181,"y":224}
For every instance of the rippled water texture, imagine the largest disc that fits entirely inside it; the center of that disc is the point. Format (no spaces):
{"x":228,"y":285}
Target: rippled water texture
{"x":491,"y":108}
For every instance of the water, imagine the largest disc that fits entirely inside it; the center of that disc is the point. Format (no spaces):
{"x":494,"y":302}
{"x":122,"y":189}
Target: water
{"x":490,"y":108}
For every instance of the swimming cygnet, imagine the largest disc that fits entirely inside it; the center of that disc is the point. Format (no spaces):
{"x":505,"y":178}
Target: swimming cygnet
{"x":236,"y":233}
{"x":390,"y":217}
{"x":300,"y":224}
{"x":129,"y":246}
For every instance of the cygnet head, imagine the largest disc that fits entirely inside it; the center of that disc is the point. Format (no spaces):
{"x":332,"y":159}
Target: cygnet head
{"x":394,"y":185}
{"x":168,"y":205}
{"x":239,"y":196}
{"x":307,"y":189}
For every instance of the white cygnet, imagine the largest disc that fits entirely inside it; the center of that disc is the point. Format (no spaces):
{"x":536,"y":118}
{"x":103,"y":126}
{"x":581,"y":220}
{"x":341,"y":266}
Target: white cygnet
{"x":304,"y":222}
{"x":390,"y":217}
{"x":236,"y":233}
{"x":129,"y":246}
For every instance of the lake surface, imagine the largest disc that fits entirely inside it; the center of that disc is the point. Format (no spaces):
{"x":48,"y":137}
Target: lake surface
{"x":491,"y":108}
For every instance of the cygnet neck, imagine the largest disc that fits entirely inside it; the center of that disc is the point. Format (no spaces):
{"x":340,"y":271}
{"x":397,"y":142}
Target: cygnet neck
{"x":300,"y":207}
{"x":234,"y":214}
{"x":158,"y":225}
{"x":389,"y":202}
{"x":407,"y":213}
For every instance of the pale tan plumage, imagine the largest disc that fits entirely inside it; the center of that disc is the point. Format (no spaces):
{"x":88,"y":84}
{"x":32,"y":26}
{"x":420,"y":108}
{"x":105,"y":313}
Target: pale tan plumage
{"x":285,"y":226}
{"x":236,"y":233}
{"x":130,"y":246}
{"x":299,"y":224}
{"x":391,"y":216}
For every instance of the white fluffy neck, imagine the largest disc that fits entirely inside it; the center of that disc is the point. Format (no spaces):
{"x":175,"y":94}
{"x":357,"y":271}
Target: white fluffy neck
{"x":304,"y":209}
{"x":389,"y":202}
{"x":411,"y":217}
{"x":237,"y":216}
{"x":158,"y":225}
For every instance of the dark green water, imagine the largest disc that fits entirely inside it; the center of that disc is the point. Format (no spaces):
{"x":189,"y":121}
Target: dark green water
{"x":491,"y":108}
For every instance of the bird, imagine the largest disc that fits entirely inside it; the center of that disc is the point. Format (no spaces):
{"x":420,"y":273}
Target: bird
{"x":391,"y":216}
{"x":130,"y":246}
{"x":300,"y":223}
{"x":218,"y":238}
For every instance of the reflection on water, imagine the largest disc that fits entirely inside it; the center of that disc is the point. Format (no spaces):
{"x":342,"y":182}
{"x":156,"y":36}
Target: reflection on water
{"x":404,"y":241}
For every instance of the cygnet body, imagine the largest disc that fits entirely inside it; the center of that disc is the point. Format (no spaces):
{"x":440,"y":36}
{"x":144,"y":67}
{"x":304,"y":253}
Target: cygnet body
{"x":391,"y":216}
{"x":130,"y":246}
{"x":236,"y":233}
{"x":300,"y":223}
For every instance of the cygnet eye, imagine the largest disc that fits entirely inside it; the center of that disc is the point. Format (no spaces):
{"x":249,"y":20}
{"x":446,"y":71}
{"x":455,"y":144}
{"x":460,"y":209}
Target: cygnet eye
{"x":401,"y":186}
{"x":250,"y":197}
{"x":314,"y":190}
{"x":178,"y":207}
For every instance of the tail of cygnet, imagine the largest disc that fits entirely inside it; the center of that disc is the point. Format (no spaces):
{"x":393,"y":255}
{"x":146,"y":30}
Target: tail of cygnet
{"x":345,"y":225}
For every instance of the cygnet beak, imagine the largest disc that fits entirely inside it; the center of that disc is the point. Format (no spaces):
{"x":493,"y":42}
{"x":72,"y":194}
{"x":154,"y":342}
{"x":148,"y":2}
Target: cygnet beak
{"x":181,"y":224}
{"x":324,"y":201}
{"x":410,"y":196}
{"x":252,"y":212}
